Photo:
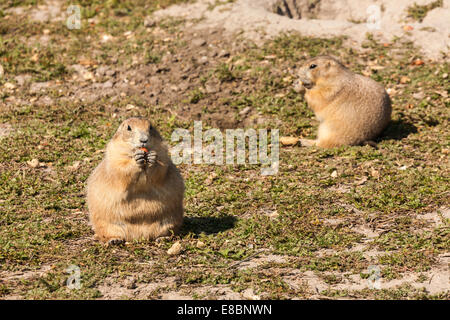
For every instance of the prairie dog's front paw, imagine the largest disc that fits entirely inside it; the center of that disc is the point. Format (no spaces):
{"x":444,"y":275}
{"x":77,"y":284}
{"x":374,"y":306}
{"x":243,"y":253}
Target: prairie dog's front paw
{"x":298,"y":86}
{"x":140,"y":157}
{"x":151,"y":157}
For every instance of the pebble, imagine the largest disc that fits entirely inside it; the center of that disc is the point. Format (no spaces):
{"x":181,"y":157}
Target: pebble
{"x":9,"y":86}
{"x":245,"y":111}
{"x":130,"y":283}
{"x":223,"y":54}
{"x":200,"y":244}
{"x":199,"y":42}
{"x":33,"y":163}
{"x":175,"y":249}
{"x":289,"y":141}
{"x":418,"y":96}
{"x":149,"y":22}
{"x":203,"y":60}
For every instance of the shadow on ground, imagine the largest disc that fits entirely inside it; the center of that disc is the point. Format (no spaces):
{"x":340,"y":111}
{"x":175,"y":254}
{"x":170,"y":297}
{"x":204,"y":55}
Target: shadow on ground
{"x":397,"y":130}
{"x":207,"y":225}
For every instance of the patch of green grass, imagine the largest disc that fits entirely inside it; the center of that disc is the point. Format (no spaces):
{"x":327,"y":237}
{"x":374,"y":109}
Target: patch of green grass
{"x":225,"y":73}
{"x":419,"y":12}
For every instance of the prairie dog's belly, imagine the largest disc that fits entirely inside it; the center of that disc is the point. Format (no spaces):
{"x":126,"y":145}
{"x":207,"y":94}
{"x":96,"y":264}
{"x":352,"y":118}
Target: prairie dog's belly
{"x":142,"y":206}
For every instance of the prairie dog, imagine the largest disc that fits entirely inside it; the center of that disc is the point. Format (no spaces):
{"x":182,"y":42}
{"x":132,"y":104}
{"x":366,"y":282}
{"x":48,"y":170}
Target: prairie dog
{"x":351,"y":108}
{"x":136,"y":192}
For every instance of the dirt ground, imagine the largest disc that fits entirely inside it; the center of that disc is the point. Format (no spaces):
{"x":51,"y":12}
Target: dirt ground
{"x":346,"y":223}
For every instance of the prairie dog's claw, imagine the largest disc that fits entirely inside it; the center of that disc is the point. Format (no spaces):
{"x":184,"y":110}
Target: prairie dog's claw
{"x":115,"y":242}
{"x":139,"y":156}
{"x":151,"y":157}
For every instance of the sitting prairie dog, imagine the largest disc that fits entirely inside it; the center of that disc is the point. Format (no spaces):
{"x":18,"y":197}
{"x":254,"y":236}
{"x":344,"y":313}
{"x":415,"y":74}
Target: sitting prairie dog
{"x":136,"y":192}
{"x":352,"y":109}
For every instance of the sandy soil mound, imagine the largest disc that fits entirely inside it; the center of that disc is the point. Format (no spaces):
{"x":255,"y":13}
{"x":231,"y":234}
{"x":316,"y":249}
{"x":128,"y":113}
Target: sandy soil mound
{"x":386,"y":20}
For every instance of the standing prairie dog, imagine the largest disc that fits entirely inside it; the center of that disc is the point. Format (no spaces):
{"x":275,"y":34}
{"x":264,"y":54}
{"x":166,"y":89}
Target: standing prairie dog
{"x":352,"y":109}
{"x":136,"y":192}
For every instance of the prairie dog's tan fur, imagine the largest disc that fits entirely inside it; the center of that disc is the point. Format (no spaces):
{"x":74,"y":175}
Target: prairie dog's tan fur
{"x":135,"y":194}
{"x":352,"y":109}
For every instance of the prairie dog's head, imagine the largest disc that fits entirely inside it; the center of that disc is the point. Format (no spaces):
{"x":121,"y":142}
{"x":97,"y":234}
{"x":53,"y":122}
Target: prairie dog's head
{"x":319,"y":69}
{"x":137,"y":133}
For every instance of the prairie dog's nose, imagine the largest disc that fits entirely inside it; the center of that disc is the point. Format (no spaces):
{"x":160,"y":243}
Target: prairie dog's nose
{"x":143,"y":138}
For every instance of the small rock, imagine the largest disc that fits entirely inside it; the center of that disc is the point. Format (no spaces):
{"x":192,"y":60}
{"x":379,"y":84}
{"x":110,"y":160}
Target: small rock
{"x":199,"y":42}
{"x":88,"y":75}
{"x":105,"y":38}
{"x":211,"y":88}
{"x":444,"y":76}
{"x":273,"y":214}
{"x":405,"y":79}
{"x":291,"y":167}
{"x":391,"y":91}
{"x":200,"y":244}
{"x":203,"y":60}
{"x":110,"y":73}
{"x":175,"y":249}
{"x":361,"y":181}
{"x":34,"y":163}
{"x":131,"y":283}
{"x":5,"y":129}
{"x":87,"y":62}
{"x":149,"y":22}
{"x":45,"y":101}
{"x":101,"y":71}
{"x":9,"y":86}
{"x":418,"y":95}
{"x":375,"y":173}
{"x":245,"y":111}
{"x":34,"y":57}
{"x":223,"y":54}
{"x":289,"y":141}
{"x":210,"y":178}
{"x":22,"y":79}
{"x":334,"y":174}
{"x":249,"y":294}
{"x":74,"y":166}
{"x":130,"y":107}
{"x":442,"y":93}
{"x":108,"y":84}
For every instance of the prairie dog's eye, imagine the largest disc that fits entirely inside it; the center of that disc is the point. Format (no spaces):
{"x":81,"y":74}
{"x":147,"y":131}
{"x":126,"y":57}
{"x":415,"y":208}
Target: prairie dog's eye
{"x":312,"y":66}
{"x":129,"y":128}
{"x":151,"y":128}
